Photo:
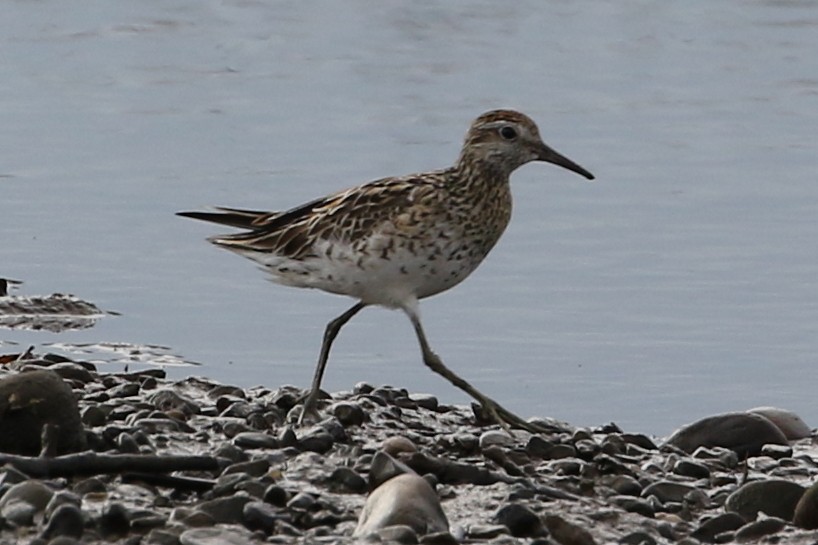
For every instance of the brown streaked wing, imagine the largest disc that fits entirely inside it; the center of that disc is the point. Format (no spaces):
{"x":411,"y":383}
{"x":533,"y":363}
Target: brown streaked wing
{"x":345,"y":216}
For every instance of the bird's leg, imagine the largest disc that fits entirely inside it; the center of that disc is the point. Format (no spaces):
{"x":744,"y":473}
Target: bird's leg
{"x":329,"y":336}
{"x":501,"y":415}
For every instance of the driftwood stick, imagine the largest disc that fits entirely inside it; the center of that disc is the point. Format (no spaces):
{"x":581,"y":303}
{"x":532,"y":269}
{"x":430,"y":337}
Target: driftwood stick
{"x":181,"y":484}
{"x":91,"y":463}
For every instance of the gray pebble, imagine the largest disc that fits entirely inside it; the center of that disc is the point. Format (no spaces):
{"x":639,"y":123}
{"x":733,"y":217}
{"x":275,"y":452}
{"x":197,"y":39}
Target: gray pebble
{"x":18,"y":513}
{"x":806,"y":510}
{"x":520,"y":520}
{"x":760,"y":528}
{"x":494,"y":437}
{"x":275,"y":495}
{"x":790,"y":424}
{"x":349,"y":414}
{"x":396,"y":444}
{"x":399,"y":533}
{"x":486,"y":531}
{"x":225,"y":510}
{"x":253,"y":468}
{"x":634,"y":505}
{"x":319,"y":441}
{"x":405,"y":499}
{"x":690,"y":468}
{"x":229,"y":535}
{"x":66,"y":520}
{"x":724,"y":522}
{"x":261,"y":516}
{"x":33,"y":492}
{"x":668,"y":491}
{"x":255,"y":439}
{"x":344,"y":479}
{"x":425,"y":401}
{"x":637,"y":538}
{"x":775,"y":497}
{"x":742,"y":433}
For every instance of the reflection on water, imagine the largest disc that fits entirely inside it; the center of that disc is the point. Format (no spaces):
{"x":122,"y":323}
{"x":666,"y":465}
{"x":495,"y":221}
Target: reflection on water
{"x":682,"y":283}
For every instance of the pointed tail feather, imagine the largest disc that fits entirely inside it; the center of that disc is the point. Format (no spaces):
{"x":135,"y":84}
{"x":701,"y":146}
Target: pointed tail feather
{"x":234,"y":217}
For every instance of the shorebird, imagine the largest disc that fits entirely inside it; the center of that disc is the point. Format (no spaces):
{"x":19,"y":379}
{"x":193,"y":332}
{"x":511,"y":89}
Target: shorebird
{"x":394,"y":241}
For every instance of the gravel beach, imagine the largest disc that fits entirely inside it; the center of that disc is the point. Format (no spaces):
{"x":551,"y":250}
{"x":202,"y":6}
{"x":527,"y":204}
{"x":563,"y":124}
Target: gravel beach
{"x":140,"y":459}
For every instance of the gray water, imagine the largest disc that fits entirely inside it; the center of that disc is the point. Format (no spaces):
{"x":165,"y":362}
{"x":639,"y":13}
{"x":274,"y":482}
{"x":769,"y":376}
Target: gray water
{"x":680,"y":284}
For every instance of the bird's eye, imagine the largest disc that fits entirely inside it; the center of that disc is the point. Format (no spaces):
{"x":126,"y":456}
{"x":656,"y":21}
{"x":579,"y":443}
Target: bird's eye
{"x":508,"y":133}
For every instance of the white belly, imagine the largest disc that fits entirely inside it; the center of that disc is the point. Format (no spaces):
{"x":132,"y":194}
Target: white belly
{"x":372,"y":275}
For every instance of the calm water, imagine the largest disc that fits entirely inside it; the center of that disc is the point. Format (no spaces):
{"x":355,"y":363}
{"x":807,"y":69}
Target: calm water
{"x":680,"y":284}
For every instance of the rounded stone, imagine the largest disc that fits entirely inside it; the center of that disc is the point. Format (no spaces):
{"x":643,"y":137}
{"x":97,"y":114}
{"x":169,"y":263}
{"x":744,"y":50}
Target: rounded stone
{"x":725,"y":522}
{"x":760,"y":528}
{"x":399,"y":533}
{"x":349,"y":414}
{"x":18,"y":513}
{"x":66,"y":520}
{"x":260,"y":516}
{"x":742,"y":433}
{"x":806,"y":510}
{"x":344,"y":479}
{"x":397,"y":444}
{"x":31,"y":400}
{"x":233,"y":535}
{"x":275,"y":495}
{"x":494,"y":437}
{"x":520,"y":520}
{"x":225,"y":510}
{"x":32,"y":492}
{"x":255,"y":439}
{"x":790,"y":424}
{"x":567,"y":532}
{"x":775,"y":497}
{"x":406,"y":499}
{"x":669,"y":491}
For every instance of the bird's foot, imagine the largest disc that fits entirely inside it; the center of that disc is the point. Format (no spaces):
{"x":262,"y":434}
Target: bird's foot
{"x":508,"y":419}
{"x":309,"y":410}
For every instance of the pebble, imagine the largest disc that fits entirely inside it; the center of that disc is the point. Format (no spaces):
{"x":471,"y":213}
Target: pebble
{"x":774,"y":497}
{"x":255,"y":439}
{"x":66,"y":520}
{"x":398,"y":533}
{"x":520,"y":520}
{"x":344,"y":479}
{"x":806,"y":510}
{"x":397,"y":444}
{"x":669,"y":491}
{"x":32,"y":492}
{"x":568,"y":533}
{"x":225,"y":510}
{"x":30,"y":400}
{"x":494,"y":437}
{"x":18,"y":513}
{"x":760,"y":528}
{"x":719,"y":524}
{"x":349,"y":414}
{"x":262,"y":516}
{"x":405,"y":499}
{"x":790,"y":424}
{"x":228,"y":535}
{"x":743,"y":433}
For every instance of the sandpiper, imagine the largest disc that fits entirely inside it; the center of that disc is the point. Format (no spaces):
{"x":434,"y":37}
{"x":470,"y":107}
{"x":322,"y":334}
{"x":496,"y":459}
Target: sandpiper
{"x":394,"y":241}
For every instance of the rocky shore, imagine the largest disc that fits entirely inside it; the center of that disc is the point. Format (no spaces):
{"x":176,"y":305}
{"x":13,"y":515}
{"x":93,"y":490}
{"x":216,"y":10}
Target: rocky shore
{"x":134,"y":458}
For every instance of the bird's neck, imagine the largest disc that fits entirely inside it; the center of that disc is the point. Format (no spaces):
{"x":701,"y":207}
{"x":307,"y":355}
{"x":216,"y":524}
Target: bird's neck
{"x":479,"y":177}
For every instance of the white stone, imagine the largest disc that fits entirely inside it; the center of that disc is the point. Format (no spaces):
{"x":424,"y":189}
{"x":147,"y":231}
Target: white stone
{"x":403,"y":500}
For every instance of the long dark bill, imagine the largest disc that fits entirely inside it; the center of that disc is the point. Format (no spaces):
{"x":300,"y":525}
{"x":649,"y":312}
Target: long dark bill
{"x":551,"y":156}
